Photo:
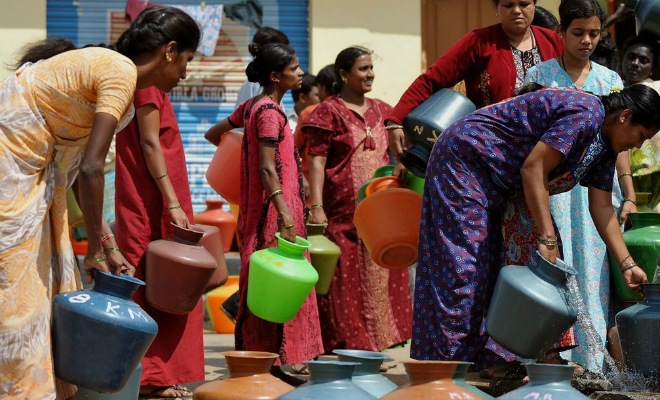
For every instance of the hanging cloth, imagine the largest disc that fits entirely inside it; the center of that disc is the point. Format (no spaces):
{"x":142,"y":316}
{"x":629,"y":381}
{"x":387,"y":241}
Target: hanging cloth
{"x":247,"y":12}
{"x":209,"y":18}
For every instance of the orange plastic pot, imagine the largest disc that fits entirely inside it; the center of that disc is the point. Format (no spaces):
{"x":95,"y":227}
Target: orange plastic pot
{"x":214,"y":215}
{"x":382,"y":183}
{"x":388,"y":223}
{"x":224,"y":171}
{"x":214,"y":299}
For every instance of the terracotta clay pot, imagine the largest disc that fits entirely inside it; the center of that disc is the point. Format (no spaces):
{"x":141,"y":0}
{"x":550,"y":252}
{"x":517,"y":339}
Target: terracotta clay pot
{"x":431,"y":380}
{"x":324,"y":255}
{"x":224,"y":171}
{"x":212,"y":242}
{"x":249,"y":379}
{"x":216,"y":216}
{"x":178,"y":270}
{"x":382,"y":183}
{"x":214,"y":299}
{"x":388,"y":223}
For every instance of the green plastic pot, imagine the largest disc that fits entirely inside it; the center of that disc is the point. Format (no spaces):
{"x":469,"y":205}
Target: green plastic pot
{"x":324,"y":254}
{"x":385,"y":170}
{"x":362,"y":193}
{"x":75,"y":215}
{"x":643,"y":242}
{"x":414,"y":182}
{"x":643,"y":202}
{"x":280,"y":280}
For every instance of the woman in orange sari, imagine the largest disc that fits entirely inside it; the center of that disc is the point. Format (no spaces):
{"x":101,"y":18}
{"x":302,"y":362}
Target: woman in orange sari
{"x":58,"y":114}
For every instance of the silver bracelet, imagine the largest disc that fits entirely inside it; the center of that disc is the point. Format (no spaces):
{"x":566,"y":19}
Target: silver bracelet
{"x":393,"y":127}
{"x":629,"y":266}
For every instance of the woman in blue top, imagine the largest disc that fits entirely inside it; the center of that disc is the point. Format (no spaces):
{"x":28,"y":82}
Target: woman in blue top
{"x":580,"y":27}
{"x":542,"y":143}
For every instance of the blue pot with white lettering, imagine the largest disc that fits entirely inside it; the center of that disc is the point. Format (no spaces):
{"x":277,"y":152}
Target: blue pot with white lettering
{"x":547,"y":381}
{"x":100,"y":335}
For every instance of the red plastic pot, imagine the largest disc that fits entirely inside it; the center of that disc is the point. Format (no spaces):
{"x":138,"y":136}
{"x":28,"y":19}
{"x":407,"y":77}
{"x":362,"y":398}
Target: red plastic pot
{"x":178,"y":271}
{"x":212,"y":242}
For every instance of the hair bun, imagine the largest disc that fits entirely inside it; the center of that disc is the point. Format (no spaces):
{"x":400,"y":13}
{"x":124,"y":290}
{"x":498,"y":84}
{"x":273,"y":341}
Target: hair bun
{"x":254,"y":49}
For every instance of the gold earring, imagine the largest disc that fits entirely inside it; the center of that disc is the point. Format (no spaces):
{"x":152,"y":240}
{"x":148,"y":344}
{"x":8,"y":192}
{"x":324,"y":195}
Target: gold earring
{"x":168,"y":57}
{"x":345,"y":80}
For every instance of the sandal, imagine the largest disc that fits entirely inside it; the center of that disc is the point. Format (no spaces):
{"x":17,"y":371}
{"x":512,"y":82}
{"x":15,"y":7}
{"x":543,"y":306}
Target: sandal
{"x":511,"y":371}
{"x":158,"y":391}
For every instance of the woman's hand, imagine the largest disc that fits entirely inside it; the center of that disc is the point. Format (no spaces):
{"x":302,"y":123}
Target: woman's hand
{"x":290,"y":232}
{"x":400,"y":171}
{"x":306,"y":188}
{"x":119,"y":264}
{"x":317,"y":216}
{"x":549,"y":254}
{"x":179,"y":218}
{"x":397,"y":142}
{"x":90,"y":264}
{"x":634,"y":277}
{"x":626,"y":208}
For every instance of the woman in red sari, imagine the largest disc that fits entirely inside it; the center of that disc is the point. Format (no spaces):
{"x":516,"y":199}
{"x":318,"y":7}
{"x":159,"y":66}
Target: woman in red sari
{"x":152,"y":191}
{"x":368,"y":307}
{"x":271,"y":200}
{"x":493,"y":62}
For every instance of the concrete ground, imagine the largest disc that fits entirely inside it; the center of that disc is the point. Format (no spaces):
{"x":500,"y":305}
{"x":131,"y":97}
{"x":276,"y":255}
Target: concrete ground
{"x":215,"y":367}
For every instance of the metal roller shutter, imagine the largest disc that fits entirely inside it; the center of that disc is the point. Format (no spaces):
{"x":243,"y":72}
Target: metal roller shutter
{"x":209,"y":92}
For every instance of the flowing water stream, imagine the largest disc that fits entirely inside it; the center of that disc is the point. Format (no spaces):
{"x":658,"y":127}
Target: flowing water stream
{"x":624,"y":381}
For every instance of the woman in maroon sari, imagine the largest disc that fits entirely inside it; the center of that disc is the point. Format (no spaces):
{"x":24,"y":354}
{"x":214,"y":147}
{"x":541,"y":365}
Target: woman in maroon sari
{"x":152,"y":191}
{"x":271,"y":200}
{"x":368,"y":307}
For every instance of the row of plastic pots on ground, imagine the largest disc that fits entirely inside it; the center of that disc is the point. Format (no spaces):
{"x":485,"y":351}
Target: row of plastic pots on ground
{"x":356,"y":376}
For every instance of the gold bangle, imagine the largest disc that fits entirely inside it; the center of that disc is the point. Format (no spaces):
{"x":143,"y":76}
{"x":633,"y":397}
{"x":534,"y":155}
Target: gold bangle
{"x":275,"y":193}
{"x":549,"y":242}
{"x":160,"y":177}
{"x":625,"y":174}
{"x":287,"y":226}
{"x":174,"y":207}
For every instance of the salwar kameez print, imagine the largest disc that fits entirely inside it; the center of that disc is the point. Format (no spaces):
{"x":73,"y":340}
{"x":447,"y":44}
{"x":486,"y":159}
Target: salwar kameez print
{"x":367,"y":307}
{"x":298,"y":340}
{"x":176,"y":355}
{"x":473,"y":177}
{"x":582,"y":246}
{"x":46,"y":114}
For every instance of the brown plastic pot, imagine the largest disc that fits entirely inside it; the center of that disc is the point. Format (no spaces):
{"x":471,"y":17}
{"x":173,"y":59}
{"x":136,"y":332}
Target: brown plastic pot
{"x":249,"y":379}
{"x":212,"y":242}
{"x":178,"y":271}
{"x":214,"y":215}
{"x":431,"y":380}
{"x":388,"y":224}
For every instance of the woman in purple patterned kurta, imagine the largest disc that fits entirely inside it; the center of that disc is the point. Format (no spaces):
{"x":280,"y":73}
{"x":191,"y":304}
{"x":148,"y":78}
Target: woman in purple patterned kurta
{"x":544,"y":142}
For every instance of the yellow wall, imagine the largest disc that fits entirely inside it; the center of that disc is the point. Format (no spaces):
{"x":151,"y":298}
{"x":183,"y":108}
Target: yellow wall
{"x":21,"y":22}
{"x":391,"y":28}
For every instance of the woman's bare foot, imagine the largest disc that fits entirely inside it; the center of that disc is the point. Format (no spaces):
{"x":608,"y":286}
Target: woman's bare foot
{"x":169,"y":392}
